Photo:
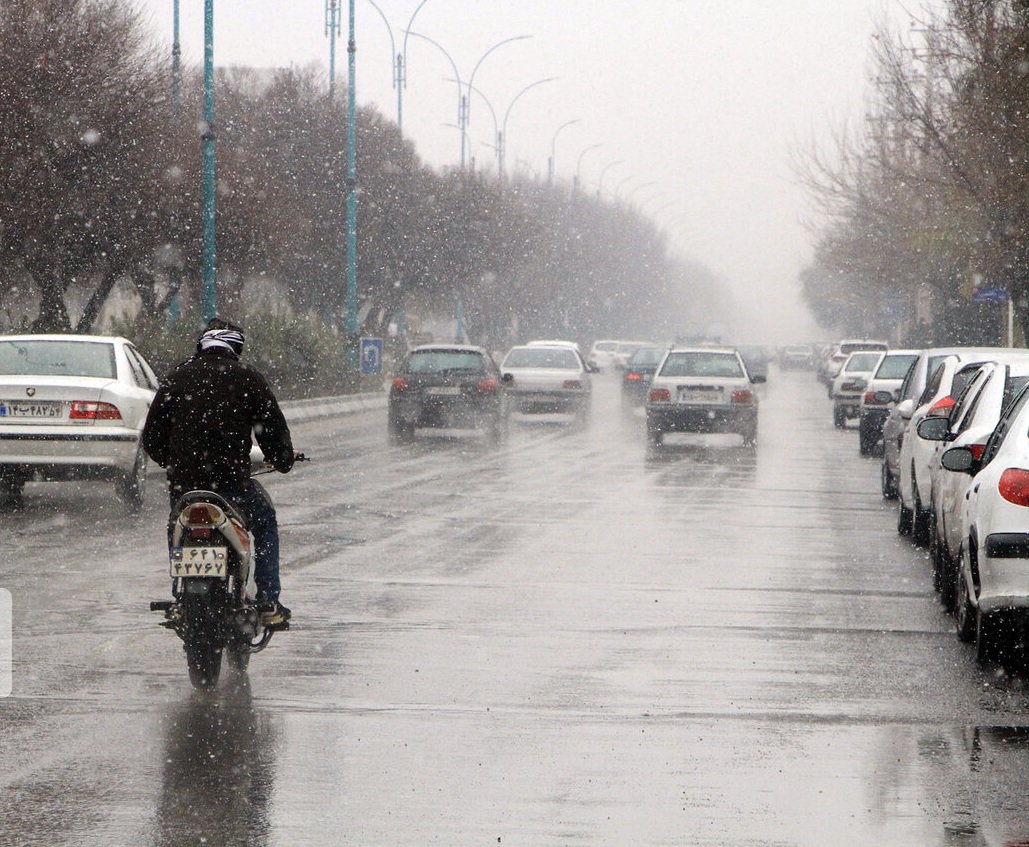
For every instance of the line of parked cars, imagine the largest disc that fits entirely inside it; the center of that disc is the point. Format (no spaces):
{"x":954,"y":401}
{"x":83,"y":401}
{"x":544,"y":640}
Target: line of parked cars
{"x":954,"y":449}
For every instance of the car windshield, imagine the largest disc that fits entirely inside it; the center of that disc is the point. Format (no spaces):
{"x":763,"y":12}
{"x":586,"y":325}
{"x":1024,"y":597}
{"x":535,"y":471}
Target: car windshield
{"x":647,"y":356}
{"x":58,"y":358}
{"x":542,"y":357}
{"x":702,"y":363}
{"x":440,"y":361}
{"x":862,"y":362}
{"x":895,"y":366}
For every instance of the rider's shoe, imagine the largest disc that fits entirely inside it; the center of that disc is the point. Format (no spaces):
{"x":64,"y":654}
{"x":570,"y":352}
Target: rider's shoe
{"x":274,"y":614}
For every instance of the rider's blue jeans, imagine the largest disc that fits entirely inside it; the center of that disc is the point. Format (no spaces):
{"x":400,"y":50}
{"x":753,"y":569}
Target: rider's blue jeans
{"x":253,"y":503}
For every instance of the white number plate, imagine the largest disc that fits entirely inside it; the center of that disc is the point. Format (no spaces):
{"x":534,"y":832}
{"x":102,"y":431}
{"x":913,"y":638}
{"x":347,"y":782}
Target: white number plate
{"x":700,"y":395}
{"x":448,"y":390}
{"x":18,"y":409}
{"x":199,"y":561}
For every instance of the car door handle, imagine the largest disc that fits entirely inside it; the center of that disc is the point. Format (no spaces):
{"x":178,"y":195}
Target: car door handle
{"x":976,"y":489}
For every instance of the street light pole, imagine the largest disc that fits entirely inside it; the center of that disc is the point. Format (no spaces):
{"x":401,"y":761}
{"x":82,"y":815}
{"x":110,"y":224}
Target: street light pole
{"x":352,"y":193}
{"x":600,"y":183}
{"x":332,"y":11}
{"x":578,"y":164}
{"x":209,"y":306}
{"x":502,"y":138}
{"x":553,"y":145}
{"x":471,"y":80}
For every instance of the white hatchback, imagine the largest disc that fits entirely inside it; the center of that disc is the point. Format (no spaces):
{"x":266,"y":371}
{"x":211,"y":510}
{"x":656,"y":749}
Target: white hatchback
{"x":73,"y":407}
{"x":548,"y":379}
{"x":993,"y":578}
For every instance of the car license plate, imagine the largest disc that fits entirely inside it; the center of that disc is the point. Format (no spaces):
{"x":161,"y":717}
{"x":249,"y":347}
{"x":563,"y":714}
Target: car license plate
{"x":19,"y":409}
{"x":199,"y":561}
{"x":700,"y":395}
{"x":445,"y":390}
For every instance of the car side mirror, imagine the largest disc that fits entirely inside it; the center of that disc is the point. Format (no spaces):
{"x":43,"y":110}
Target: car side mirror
{"x":960,"y":460}
{"x":906,"y":408}
{"x":934,"y":429}
{"x":508,"y":377}
{"x":593,"y":367}
{"x":758,"y":378}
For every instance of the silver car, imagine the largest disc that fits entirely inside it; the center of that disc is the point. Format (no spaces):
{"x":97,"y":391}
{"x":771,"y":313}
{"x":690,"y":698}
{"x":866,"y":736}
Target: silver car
{"x":72,"y":407}
{"x":545,"y":379}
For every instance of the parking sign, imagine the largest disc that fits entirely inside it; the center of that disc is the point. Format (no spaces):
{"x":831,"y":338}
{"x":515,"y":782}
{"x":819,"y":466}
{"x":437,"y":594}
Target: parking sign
{"x":371,"y":355}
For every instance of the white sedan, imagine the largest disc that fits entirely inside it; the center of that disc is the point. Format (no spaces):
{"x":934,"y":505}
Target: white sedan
{"x":993,"y":580}
{"x":72,"y":407}
{"x":548,"y":380}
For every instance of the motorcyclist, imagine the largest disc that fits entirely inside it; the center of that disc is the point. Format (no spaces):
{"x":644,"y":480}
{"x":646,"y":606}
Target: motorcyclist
{"x":199,"y":428}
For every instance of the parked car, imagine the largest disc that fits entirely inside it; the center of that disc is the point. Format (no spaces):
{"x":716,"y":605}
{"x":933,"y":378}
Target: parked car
{"x":970,"y":424}
{"x":914,"y":495}
{"x":880,"y":395}
{"x":72,"y":407}
{"x":444,"y":386}
{"x":795,"y":356}
{"x":602,"y":353}
{"x":548,"y":380}
{"x":638,"y":373}
{"x":993,"y":577}
{"x":702,"y":390}
{"x":831,"y":363}
{"x":911,"y":390}
{"x":849,"y":385}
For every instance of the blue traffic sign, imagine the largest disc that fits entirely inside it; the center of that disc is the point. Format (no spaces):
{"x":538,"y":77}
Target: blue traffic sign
{"x":371,"y":355}
{"x":990,"y":294}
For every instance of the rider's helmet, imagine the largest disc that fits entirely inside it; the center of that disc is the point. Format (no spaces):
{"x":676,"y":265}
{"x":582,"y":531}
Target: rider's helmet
{"x":222,"y":333}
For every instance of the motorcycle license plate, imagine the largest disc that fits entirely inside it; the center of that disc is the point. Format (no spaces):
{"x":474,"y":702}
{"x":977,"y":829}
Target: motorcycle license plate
{"x":199,"y":561}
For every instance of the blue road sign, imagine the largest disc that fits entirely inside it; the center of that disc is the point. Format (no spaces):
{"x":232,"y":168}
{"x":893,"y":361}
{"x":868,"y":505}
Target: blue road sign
{"x":371,"y":355}
{"x":990,"y":294}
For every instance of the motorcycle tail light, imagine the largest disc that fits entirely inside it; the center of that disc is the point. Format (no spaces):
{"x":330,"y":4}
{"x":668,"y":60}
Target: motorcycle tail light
{"x":488,"y":385}
{"x":660,"y":395}
{"x":742,"y":395}
{"x":1014,"y":486}
{"x":201,"y":534}
{"x":89,"y":410}
{"x":202,"y":515}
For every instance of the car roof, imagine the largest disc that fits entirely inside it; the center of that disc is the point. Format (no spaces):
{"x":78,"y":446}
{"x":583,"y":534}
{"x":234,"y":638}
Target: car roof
{"x":56,"y":336}
{"x":463,"y":348}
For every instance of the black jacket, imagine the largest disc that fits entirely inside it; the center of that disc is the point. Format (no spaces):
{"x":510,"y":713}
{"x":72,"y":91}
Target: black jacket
{"x":200,"y":422}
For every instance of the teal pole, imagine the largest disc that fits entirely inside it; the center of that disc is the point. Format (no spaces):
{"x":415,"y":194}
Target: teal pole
{"x":352,"y":193}
{"x":209,"y":306}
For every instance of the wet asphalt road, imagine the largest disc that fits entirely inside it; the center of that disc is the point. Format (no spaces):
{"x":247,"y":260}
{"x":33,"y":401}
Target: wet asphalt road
{"x":569,"y":640}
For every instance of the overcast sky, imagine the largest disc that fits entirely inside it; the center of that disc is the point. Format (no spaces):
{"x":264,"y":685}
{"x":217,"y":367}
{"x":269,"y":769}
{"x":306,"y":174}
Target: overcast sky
{"x":695,"y":104}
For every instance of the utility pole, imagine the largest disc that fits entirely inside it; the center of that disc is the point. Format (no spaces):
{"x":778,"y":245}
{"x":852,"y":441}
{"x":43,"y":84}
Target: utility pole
{"x":352,"y":339}
{"x":332,"y":29}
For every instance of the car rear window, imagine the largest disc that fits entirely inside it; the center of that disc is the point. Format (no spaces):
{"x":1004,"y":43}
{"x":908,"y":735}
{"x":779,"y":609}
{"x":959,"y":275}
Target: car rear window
{"x":702,"y":363}
{"x":58,"y":358}
{"x":647,"y":356}
{"x":862,"y":362}
{"x":895,"y":366}
{"x":605,"y":346}
{"x":438,"y":361}
{"x":542,"y":357}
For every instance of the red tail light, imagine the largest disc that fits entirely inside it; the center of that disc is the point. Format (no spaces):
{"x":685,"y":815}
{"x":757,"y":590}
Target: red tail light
{"x":742,"y":395}
{"x":660,"y":395}
{"x":573,"y":383}
{"x":87,"y":410}
{"x":487,"y":385}
{"x":941,"y":408}
{"x":399,"y":383}
{"x":1014,"y":486}
{"x":202,"y":515}
{"x":870,"y":398}
{"x":632,"y":376}
{"x":977,"y":451}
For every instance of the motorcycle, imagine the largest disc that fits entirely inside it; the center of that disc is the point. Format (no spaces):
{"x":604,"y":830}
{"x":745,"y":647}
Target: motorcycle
{"x":215,"y":611}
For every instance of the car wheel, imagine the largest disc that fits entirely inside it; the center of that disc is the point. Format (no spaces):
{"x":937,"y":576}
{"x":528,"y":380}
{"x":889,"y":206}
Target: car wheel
{"x":905,"y":518}
{"x":11,"y":492}
{"x":132,"y":485}
{"x":654,"y":435}
{"x":991,"y":635}
{"x":867,"y":437}
{"x":889,"y":484}
{"x":839,"y":419}
{"x":965,"y":618}
{"x":920,"y":523}
{"x":750,"y":437}
{"x":399,"y":431}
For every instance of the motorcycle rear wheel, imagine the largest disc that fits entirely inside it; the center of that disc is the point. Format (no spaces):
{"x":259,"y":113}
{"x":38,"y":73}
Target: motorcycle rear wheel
{"x":202,"y":645}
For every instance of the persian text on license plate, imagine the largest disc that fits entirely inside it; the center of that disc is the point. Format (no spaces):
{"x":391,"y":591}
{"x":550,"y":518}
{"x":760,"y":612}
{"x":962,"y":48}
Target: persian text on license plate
{"x":446,"y":390}
{"x":700,"y":395}
{"x":20,"y":409}
{"x":199,"y":561}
